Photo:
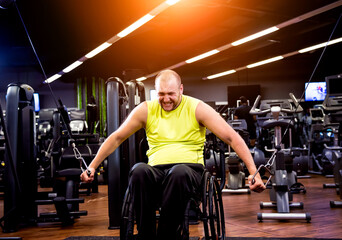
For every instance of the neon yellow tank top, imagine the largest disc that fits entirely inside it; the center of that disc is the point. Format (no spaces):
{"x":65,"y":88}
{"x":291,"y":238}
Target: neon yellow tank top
{"x":175,"y":136}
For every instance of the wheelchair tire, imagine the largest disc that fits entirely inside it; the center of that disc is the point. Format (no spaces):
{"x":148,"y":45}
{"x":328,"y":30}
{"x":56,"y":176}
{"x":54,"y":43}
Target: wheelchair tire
{"x":212,"y":210}
{"x":127,"y":218}
{"x":212,"y":214}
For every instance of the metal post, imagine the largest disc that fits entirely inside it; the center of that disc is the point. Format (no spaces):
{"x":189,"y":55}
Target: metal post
{"x":131,"y":90}
{"x":114,"y":168}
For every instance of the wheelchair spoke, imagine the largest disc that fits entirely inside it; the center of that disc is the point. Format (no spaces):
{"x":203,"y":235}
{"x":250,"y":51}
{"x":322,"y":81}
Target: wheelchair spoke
{"x":205,"y":210}
{"x":213,"y":214}
{"x":127,"y":224}
{"x":221,"y":219}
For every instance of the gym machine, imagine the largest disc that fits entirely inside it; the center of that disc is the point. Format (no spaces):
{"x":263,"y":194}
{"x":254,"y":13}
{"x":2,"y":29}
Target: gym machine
{"x":21,"y":194}
{"x":121,"y":100}
{"x":280,"y":164}
{"x":332,"y":105}
{"x":2,"y":160}
{"x":319,"y":134}
{"x":236,"y":176}
{"x":214,"y":158}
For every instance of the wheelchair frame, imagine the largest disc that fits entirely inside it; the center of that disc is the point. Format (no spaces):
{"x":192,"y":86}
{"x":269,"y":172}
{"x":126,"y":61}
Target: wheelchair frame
{"x":209,"y":209}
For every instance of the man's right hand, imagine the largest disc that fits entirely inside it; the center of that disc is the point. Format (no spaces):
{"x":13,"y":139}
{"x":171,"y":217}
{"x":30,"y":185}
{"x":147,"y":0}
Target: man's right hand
{"x":88,"y":178}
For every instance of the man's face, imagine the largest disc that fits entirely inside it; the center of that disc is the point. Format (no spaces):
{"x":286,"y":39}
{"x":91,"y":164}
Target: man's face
{"x":169,"y":94}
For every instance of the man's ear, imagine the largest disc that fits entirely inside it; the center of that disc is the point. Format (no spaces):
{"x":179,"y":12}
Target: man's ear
{"x":181,"y":88}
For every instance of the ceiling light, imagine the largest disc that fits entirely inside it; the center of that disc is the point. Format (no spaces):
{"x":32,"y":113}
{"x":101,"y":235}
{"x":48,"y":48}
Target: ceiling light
{"x":97,"y":50}
{"x":171,"y":2}
{"x":221,"y":74}
{"x":279,"y":26}
{"x":204,"y":55}
{"x":141,"y":79}
{"x":308,"y":49}
{"x":53,"y":78}
{"x":72,"y":66}
{"x":135,"y":25}
{"x":157,"y":10}
{"x":265,"y":61}
{"x":277,"y":58}
{"x":255,"y":35}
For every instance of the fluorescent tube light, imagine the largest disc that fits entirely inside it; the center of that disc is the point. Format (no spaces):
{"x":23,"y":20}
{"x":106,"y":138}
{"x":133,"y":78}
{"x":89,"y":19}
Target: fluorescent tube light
{"x":278,"y":57}
{"x":53,"y":78}
{"x":221,"y":74}
{"x":275,"y":28}
{"x":171,"y":2}
{"x":135,"y":25}
{"x":72,"y":66}
{"x":141,"y":79}
{"x":265,"y":61}
{"x":204,"y":55}
{"x":308,"y":49}
{"x":255,"y":35}
{"x":97,"y":50}
{"x":157,"y":10}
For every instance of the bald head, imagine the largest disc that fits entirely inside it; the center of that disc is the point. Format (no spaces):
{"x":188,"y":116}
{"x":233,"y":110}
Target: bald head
{"x":168,"y":75}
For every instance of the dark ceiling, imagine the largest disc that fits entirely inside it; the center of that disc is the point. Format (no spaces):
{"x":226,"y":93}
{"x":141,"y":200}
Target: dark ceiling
{"x":63,"y":31}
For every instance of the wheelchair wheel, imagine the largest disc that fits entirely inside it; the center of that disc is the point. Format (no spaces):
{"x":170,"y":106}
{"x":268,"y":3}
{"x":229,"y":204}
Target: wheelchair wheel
{"x":212,"y":209}
{"x":127,"y":218}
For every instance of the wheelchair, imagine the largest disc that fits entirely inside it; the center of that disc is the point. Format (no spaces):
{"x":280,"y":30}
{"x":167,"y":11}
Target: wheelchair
{"x":207,"y":204}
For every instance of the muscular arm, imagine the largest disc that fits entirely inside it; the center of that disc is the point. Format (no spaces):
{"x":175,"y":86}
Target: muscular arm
{"x":208,"y":117}
{"x":135,"y":121}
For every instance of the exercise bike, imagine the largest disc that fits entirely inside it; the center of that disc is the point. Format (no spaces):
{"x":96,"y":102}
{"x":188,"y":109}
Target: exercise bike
{"x":332,"y":105}
{"x":280,"y":164}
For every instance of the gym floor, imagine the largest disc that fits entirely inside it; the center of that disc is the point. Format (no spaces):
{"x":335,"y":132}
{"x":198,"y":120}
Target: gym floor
{"x":240,"y":213}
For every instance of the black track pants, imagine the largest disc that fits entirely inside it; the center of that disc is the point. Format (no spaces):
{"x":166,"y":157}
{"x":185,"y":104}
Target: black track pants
{"x":167,"y":186}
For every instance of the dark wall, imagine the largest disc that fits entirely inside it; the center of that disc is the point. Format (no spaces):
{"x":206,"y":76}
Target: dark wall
{"x":67,"y":95}
{"x":276,"y":81}
{"x":65,"y":91}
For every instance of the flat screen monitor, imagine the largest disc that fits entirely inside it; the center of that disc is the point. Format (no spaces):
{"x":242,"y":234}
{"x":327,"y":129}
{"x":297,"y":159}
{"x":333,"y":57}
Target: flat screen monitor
{"x":334,"y":85}
{"x":315,"y":91}
{"x":36,"y":102}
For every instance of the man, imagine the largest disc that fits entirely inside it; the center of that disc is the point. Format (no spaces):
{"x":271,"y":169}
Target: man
{"x":175,"y":126}
{"x":242,"y":112}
